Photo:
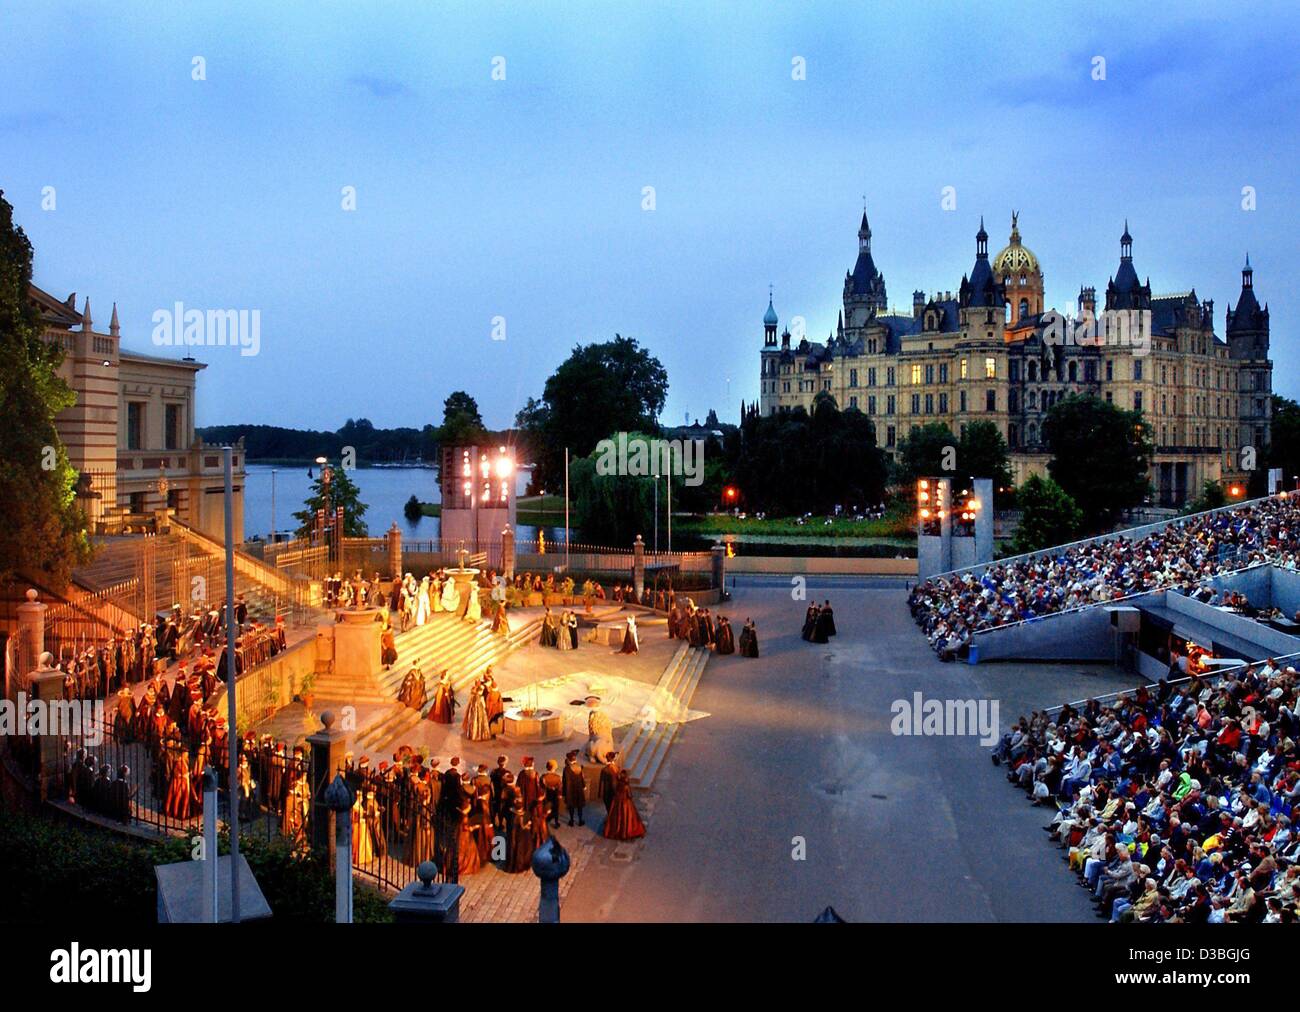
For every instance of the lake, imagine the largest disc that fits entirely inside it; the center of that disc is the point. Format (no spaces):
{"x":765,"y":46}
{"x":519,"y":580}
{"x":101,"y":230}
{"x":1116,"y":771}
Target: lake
{"x":384,"y":490}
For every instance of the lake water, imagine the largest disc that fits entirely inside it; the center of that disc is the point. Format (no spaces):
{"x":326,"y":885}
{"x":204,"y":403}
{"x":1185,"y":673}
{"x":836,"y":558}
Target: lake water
{"x":384,"y":490}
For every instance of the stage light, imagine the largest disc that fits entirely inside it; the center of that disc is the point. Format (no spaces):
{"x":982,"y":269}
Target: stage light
{"x":504,"y":466}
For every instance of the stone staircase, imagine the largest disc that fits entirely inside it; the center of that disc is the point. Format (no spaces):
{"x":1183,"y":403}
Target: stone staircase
{"x":645,"y":744}
{"x":443,"y":642}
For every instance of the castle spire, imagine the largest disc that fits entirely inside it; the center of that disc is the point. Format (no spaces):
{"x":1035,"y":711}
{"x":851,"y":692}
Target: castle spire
{"x":113,"y":328}
{"x":85,"y":317}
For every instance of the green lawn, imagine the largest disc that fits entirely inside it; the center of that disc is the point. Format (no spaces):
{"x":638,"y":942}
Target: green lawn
{"x":723,"y":523}
{"x":538,"y":510}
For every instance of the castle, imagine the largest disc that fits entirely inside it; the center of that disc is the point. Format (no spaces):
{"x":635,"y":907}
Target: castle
{"x":992,"y":352}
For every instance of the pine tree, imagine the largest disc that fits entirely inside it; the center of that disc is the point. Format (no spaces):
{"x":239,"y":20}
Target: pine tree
{"x":343,"y":492}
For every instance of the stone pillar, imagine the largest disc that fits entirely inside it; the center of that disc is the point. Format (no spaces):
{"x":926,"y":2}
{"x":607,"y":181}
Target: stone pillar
{"x":46,"y":684}
{"x":395,"y":551}
{"x":550,"y":864}
{"x":356,"y":643}
{"x":327,"y":748}
{"x":31,"y":635}
{"x":638,"y":566}
{"x":423,"y":902}
{"x":719,"y":561}
{"x":508,"y":552}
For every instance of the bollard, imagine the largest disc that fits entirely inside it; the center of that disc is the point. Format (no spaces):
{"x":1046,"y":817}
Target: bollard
{"x":550,"y":864}
{"x":338,"y":798}
{"x":211,"y":853}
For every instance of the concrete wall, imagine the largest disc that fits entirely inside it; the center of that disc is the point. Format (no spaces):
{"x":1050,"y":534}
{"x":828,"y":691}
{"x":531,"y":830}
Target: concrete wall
{"x":1285,"y":590}
{"x":1084,"y":635}
{"x":827,"y":565}
{"x":1270,"y":640}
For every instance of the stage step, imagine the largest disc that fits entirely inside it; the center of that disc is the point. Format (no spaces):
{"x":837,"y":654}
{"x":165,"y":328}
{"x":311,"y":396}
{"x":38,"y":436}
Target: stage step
{"x":646,"y":744}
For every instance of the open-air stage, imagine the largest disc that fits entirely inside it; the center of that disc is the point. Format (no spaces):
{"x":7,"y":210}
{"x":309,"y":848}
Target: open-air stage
{"x":797,"y":746}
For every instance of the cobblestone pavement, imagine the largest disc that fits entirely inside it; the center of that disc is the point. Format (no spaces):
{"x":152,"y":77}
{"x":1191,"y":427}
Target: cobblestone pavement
{"x":494,"y":896}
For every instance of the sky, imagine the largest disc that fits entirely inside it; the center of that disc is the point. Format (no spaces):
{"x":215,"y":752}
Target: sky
{"x":500,"y":155}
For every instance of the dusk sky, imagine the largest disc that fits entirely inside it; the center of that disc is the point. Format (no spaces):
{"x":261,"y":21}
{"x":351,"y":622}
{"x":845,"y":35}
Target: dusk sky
{"x":523,"y":198}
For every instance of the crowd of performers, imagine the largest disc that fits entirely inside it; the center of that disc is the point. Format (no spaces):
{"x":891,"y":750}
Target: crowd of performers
{"x":1175,"y":802}
{"x":1181,"y":556}
{"x":96,"y":669}
{"x":484,"y":710}
{"x":699,"y":628}
{"x":819,"y":623}
{"x":410,"y":810}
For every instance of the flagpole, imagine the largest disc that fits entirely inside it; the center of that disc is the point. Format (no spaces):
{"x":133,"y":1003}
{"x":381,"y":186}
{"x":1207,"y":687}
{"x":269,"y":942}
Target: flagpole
{"x":232,"y":712}
{"x":566,"y":509}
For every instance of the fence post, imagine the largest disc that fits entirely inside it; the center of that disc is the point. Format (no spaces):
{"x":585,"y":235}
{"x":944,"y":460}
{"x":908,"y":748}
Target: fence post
{"x":338,"y":800}
{"x":31,"y":635}
{"x":720,"y":570}
{"x":638,"y":566}
{"x":395,"y":551}
{"x":424,"y":902}
{"x":326,"y":758}
{"x":508,"y":552}
{"x":46,"y":684}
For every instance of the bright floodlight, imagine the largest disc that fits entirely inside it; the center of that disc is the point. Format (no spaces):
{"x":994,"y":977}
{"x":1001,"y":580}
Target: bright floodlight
{"x":504,"y":466}
{"x":320,"y":460}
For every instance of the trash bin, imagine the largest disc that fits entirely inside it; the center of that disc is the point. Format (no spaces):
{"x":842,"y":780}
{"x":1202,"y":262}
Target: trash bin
{"x":973,"y":654}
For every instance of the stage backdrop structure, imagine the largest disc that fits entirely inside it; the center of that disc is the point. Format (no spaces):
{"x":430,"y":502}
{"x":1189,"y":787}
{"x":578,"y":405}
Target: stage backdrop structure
{"x":478,"y":494}
{"x":954,"y":524}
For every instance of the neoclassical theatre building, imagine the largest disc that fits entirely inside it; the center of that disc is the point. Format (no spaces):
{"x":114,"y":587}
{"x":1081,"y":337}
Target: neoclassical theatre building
{"x":992,"y":351}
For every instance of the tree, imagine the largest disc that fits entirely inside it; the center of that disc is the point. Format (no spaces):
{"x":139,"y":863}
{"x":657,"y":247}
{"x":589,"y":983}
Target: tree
{"x":1283,"y":447}
{"x":342,"y":491}
{"x":1100,"y":455}
{"x":982,"y":453}
{"x":925,"y":453}
{"x":792,"y":462}
{"x":43,"y":535}
{"x":934,"y":452}
{"x":611,"y":509}
{"x":599,"y":390}
{"x":1048,"y":515}
{"x":461,"y":422}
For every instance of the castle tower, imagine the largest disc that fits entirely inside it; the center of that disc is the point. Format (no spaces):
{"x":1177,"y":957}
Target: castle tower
{"x":864,"y":286}
{"x":1248,"y":342}
{"x":1017,"y":269}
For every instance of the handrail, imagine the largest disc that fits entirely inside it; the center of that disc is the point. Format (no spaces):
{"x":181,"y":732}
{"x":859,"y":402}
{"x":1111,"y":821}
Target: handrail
{"x":1178,"y":681}
{"x":1126,"y":532}
{"x":1112,"y":600}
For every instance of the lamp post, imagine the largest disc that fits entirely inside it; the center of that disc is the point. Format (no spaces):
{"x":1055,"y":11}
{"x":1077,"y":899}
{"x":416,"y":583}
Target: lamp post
{"x":272,"y":505}
{"x":329,"y":511}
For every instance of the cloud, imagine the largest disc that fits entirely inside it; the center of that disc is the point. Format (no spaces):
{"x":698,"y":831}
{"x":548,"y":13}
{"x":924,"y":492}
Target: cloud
{"x":379,"y":87}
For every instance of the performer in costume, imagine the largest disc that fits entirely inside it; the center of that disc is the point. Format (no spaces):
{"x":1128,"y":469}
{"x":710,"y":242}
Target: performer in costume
{"x":631,"y":643}
{"x":575,"y":788}
{"x":623,"y":822}
{"x":443,"y":710}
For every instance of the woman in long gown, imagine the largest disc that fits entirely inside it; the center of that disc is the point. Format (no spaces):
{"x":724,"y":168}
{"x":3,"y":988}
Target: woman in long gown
{"x":482,"y":816}
{"x":573,"y":629}
{"x":373,"y":815}
{"x":563,"y":640}
{"x":519,"y":851}
{"x":500,"y":624}
{"x":538,"y":830}
{"x":443,"y":710}
{"x":726,"y":641}
{"x":749,"y":639}
{"x":180,"y":792}
{"x":435,"y":593}
{"x":809,"y":622}
{"x":623,"y":822}
{"x":468,"y":856}
{"x":387,"y":647}
{"x":473,"y":606}
{"x":422,"y":840}
{"x":422,"y":602}
{"x":496,"y":707}
{"x":631,"y":644}
{"x":547,"y":637}
{"x":450,"y":596}
{"x":474,"y":726}
{"x":362,"y":851}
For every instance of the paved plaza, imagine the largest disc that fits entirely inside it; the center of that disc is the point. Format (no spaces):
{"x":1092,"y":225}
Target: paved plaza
{"x":798,"y":746}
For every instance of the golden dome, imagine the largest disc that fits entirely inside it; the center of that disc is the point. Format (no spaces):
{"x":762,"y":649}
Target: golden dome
{"x":1015,"y":259}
